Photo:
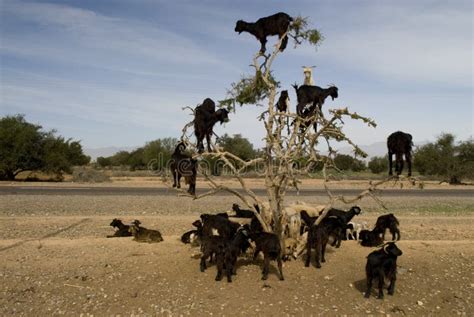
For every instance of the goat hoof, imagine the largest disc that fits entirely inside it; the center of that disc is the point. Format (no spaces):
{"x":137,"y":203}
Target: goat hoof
{"x":264,"y":278}
{"x":282,"y":278}
{"x":367,"y":295}
{"x":323,"y":260}
{"x":218,"y":278}
{"x":318,"y":266}
{"x":380,"y":297}
{"x":390,"y":293}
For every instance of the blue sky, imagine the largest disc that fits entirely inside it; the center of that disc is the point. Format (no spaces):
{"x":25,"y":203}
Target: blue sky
{"x":117,"y":73}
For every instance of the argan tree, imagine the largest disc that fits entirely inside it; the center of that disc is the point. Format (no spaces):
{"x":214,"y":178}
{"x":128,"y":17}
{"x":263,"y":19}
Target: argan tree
{"x":283,"y":148}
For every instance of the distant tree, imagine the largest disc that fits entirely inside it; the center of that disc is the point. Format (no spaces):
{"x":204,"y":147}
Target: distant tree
{"x":157,"y":153}
{"x":26,"y":147}
{"x":136,"y":160}
{"x":378,"y":164}
{"x":154,"y":154}
{"x":446,"y":159}
{"x":20,"y":146}
{"x":238,"y":146}
{"x":121,"y":158}
{"x":346,"y":162}
{"x":104,"y":161}
{"x":60,"y":155}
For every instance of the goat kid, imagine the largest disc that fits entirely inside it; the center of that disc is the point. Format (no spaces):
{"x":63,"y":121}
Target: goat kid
{"x":122,"y":230}
{"x":141,"y":234}
{"x":318,"y":235}
{"x":228,"y":258}
{"x":269,"y":244}
{"x":389,"y":222}
{"x":382,"y":265}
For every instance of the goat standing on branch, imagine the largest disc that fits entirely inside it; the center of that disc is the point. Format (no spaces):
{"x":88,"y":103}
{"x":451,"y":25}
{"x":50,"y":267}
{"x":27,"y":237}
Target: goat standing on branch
{"x":205,"y":117}
{"x":313,"y":95}
{"x":276,"y":24}
{"x":183,"y":164}
{"x":308,"y":75}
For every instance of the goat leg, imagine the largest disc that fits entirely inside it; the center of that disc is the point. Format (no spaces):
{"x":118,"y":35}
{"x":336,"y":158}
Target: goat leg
{"x":263,"y":41}
{"x":318,"y":254}
{"x":369,"y":286}
{"x":391,"y":287}
{"x":408,"y":158}
{"x":381,"y":283}
{"x":323,"y":252}
{"x":308,"y":254}
{"x":208,"y":139}
{"x":390,"y":162}
{"x":203,"y":263}
{"x":280,"y":268}
{"x":220,"y":267}
{"x":266,"y":267}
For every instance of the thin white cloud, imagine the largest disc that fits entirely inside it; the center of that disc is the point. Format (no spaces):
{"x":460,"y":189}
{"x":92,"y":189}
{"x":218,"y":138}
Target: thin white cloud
{"x":410,"y":42}
{"x":85,"y":37}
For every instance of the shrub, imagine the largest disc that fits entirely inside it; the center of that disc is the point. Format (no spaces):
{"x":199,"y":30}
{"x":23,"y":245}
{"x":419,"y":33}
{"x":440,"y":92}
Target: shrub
{"x":87,"y":175}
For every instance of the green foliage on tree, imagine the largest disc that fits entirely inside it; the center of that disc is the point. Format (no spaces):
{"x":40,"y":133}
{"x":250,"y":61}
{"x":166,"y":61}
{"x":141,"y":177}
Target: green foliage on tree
{"x":26,"y":147}
{"x":378,"y":164}
{"x":346,"y":162}
{"x":446,"y":159}
{"x":238,"y":146}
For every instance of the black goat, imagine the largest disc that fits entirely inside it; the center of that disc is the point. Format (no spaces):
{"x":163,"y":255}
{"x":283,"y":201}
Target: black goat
{"x":205,"y":117}
{"x":269,"y":244}
{"x":318,"y":235}
{"x":242,"y":213}
{"x":313,"y":95}
{"x":282,"y":103}
{"x":345,"y":217}
{"x":122,"y":230}
{"x":221,"y":223}
{"x":193,"y":236}
{"x":183,"y":164}
{"x":381,"y":265}
{"x":390,"y":222}
{"x":228,"y":259}
{"x":211,"y":245}
{"x":399,"y":143}
{"x":370,"y":238}
{"x":276,"y":24}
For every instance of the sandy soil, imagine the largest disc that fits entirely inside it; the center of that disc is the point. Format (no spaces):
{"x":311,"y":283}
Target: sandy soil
{"x":56,"y":260}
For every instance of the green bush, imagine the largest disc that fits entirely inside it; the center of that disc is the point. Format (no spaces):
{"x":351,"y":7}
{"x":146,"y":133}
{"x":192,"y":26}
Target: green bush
{"x":446,"y":159}
{"x":378,"y":164}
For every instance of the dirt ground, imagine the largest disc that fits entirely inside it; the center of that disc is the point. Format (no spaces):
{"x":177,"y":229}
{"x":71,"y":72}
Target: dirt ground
{"x":57,"y":261}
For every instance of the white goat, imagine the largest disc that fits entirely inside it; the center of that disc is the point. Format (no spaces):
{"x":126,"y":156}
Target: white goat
{"x":356,"y":229}
{"x":308,"y":75}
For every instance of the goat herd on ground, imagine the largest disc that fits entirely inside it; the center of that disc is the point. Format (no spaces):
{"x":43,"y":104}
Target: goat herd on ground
{"x":222,"y":240}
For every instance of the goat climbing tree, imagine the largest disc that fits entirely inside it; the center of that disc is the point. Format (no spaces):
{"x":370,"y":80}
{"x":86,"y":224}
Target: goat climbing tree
{"x":283,"y":147}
